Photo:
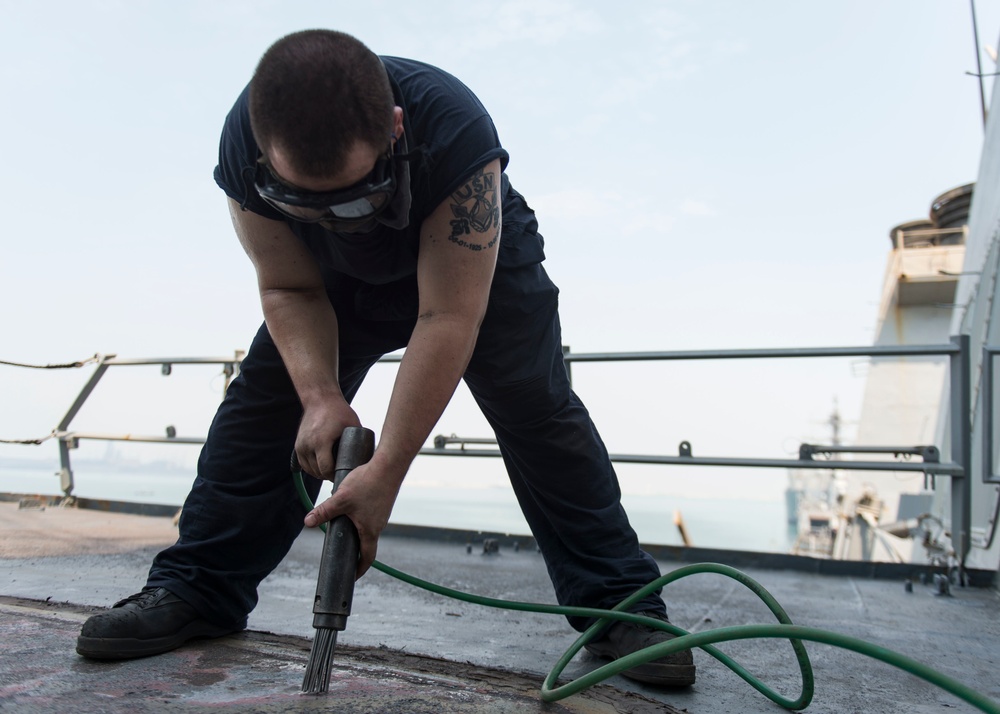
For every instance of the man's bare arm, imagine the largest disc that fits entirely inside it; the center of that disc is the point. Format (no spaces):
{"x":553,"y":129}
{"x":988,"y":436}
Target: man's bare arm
{"x":304,"y":327}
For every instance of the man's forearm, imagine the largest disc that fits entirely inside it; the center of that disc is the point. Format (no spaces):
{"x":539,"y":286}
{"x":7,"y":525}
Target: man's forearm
{"x":435,"y":360}
{"x":303,"y":326}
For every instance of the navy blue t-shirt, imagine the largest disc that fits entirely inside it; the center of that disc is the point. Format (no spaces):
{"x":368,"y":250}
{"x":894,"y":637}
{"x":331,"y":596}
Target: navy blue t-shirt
{"x":453,"y":136}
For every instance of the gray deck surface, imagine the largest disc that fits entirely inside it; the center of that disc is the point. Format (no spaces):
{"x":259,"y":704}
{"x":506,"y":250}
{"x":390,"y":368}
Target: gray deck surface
{"x":410,"y":651}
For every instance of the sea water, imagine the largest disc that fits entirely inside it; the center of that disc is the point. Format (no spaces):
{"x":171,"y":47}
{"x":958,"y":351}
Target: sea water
{"x":733,"y":523}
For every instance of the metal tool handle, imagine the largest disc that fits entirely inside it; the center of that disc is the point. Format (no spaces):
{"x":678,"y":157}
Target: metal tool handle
{"x":341,"y":548}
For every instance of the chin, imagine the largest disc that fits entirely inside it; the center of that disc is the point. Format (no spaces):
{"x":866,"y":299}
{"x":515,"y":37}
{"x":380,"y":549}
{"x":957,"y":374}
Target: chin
{"x":366,"y":227}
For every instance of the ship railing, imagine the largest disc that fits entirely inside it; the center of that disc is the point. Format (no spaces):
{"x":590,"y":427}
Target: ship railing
{"x":988,"y":460}
{"x":956,"y":468}
{"x":917,"y":238}
{"x":71,"y":439}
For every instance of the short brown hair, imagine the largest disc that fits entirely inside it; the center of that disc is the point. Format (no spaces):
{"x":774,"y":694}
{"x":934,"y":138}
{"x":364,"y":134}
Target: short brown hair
{"x":317,"y":92}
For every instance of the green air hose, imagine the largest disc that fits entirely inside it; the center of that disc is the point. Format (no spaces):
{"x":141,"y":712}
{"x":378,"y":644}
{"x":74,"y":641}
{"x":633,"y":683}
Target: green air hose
{"x":686,"y":640}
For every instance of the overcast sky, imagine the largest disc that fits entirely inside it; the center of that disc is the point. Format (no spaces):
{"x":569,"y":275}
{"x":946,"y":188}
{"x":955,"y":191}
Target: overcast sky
{"x":710,"y":174}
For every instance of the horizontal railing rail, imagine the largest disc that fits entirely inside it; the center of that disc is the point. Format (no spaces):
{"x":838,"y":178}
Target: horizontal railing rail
{"x":930,"y":464}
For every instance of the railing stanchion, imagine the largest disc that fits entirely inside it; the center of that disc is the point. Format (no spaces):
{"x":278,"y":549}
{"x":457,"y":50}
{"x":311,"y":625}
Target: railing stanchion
{"x":961,"y":448}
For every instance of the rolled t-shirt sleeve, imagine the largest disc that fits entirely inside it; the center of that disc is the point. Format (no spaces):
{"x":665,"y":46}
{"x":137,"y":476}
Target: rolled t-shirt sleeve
{"x":471,"y":148}
{"x":237,"y":165}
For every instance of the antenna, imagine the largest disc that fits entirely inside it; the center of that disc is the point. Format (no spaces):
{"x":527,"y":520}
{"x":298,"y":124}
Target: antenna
{"x":979,"y":64}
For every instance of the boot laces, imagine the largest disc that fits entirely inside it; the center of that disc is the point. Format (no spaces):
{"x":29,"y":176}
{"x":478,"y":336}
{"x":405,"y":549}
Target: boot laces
{"x":141,"y":598}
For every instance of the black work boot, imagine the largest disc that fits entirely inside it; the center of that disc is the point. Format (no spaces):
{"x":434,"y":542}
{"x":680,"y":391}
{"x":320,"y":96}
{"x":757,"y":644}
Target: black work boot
{"x":624,"y":638}
{"x":147,"y":623}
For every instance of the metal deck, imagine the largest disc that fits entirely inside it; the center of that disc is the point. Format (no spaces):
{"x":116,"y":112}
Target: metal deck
{"x":406,"y":650}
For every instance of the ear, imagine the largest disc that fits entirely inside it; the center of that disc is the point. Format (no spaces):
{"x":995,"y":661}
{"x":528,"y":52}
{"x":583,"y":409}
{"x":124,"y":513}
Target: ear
{"x":397,"y":121}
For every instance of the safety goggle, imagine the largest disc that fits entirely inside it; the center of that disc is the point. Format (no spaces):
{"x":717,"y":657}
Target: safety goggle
{"x":360,"y":202}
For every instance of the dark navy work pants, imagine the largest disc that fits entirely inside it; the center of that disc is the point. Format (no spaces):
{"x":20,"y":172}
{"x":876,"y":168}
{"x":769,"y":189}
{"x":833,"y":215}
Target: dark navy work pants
{"x":243,"y":513}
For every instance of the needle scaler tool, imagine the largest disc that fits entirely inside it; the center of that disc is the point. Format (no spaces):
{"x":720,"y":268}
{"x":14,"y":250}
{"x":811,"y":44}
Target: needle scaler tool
{"x":338,"y":566}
